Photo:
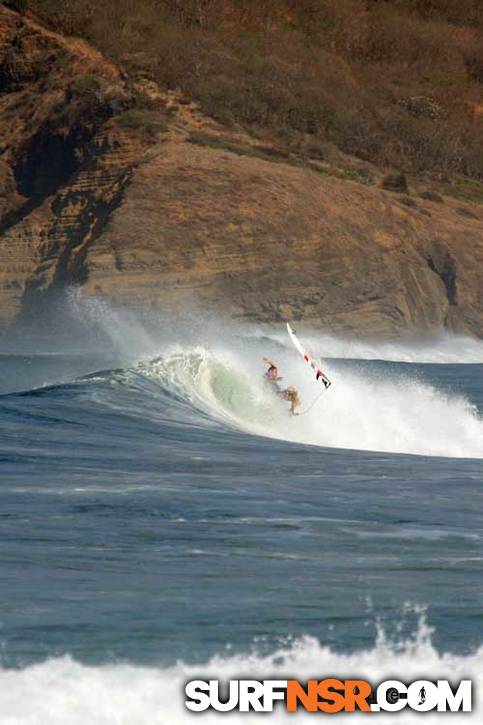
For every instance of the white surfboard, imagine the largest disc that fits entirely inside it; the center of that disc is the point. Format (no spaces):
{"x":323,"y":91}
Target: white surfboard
{"x":319,"y":374}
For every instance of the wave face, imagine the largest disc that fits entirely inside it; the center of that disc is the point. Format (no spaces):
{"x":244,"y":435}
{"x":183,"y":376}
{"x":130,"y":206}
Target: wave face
{"x":163,"y":517}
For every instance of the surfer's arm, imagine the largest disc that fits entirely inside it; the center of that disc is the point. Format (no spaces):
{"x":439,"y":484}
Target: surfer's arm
{"x":269,"y":361}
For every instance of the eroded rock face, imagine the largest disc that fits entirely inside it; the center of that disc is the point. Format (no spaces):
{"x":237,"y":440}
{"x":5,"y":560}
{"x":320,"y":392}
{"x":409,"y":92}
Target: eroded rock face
{"x":270,"y":241}
{"x":63,"y":164}
{"x":153,"y":220}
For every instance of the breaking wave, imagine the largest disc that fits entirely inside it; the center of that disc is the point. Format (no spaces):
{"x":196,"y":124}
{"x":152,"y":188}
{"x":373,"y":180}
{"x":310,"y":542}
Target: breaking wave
{"x":379,"y":410}
{"x":62,"y":690}
{"x":381,"y":398}
{"x":216,"y":367}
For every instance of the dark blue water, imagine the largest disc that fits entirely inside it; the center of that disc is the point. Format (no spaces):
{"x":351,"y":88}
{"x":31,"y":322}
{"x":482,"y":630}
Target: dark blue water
{"x":135,"y":525}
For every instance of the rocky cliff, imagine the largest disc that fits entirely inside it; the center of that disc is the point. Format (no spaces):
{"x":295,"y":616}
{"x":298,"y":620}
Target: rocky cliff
{"x":109,"y":183}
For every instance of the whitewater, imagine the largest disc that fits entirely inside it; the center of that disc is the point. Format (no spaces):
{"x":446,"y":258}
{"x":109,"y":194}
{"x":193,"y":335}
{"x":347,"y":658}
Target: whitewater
{"x":164,"y":518}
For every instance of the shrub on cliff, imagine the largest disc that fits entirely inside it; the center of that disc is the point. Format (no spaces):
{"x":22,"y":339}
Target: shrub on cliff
{"x":19,"y":5}
{"x":337,"y":71}
{"x":149,"y":122}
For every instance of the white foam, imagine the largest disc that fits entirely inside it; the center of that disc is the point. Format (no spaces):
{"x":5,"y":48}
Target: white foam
{"x":64,"y":692}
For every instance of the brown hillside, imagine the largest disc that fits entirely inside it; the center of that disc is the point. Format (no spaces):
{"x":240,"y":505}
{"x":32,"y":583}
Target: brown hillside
{"x":110,"y":181}
{"x":395,"y":82}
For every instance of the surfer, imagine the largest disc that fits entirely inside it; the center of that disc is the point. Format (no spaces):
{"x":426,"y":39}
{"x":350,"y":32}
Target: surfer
{"x":272,"y":372}
{"x":290,"y":394}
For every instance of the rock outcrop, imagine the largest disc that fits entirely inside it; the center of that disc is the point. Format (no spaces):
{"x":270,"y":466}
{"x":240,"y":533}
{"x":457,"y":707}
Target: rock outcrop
{"x":113,"y":185}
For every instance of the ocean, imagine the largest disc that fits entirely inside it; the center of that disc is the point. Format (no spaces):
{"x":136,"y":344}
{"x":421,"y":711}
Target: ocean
{"x":163,"y":518}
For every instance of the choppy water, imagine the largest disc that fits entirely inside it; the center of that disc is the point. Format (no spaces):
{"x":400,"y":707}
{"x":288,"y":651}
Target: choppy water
{"x":161,"y":517}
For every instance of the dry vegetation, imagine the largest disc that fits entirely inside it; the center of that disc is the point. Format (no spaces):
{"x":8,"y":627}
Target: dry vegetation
{"x":395,"y":82}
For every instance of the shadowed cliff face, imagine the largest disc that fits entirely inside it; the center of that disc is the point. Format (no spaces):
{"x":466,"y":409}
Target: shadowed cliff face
{"x":64,"y":161}
{"x":115,"y":186}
